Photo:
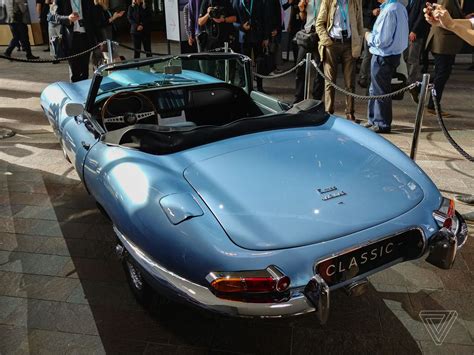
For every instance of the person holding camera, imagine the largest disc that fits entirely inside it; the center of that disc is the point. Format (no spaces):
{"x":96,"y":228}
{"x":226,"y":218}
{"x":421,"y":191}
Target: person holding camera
{"x":17,"y":18}
{"x":76,"y":21}
{"x":444,"y":46}
{"x":139,"y":17}
{"x":340,"y":30}
{"x":216,"y":20}
{"x":307,"y":41}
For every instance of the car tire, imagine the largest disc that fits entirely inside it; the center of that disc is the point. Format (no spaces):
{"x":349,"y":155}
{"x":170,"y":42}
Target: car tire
{"x":140,"y":288}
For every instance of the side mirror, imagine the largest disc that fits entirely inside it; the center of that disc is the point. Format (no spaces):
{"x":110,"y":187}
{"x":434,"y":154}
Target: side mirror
{"x":74,"y":109}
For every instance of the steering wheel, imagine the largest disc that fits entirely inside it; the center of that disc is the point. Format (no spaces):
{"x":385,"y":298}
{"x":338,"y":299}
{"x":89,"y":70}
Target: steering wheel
{"x":128,"y":108}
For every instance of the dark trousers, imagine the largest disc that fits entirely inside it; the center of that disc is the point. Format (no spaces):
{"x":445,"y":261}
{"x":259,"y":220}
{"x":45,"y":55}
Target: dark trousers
{"x":382,"y":69}
{"x":79,"y":66}
{"x":138,"y":40}
{"x":443,"y":65}
{"x":257,"y":50}
{"x":318,"y":81}
{"x":20,"y":36}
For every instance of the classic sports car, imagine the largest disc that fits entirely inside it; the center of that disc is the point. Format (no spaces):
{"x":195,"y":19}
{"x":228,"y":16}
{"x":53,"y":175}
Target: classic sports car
{"x":233,"y":201}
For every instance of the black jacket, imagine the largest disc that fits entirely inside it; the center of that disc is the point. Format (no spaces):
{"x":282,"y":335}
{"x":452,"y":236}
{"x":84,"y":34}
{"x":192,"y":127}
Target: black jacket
{"x":368,"y":17}
{"x":274,"y":11}
{"x":416,"y":18}
{"x":139,"y":15}
{"x":61,"y":17}
{"x":258,"y":19}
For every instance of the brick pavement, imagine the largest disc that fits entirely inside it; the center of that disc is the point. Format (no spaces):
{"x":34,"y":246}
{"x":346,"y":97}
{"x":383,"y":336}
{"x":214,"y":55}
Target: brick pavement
{"x":63,"y":290}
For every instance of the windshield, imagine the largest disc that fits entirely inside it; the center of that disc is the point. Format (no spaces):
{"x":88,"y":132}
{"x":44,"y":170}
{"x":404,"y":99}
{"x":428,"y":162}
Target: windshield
{"x":175,"y":71}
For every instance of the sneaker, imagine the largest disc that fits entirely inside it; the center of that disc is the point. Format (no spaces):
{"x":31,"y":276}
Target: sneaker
{"x":368,"y":125}
{"x":444,"y":114}
{"x":377,"y":129}
{"x":467,"y":199}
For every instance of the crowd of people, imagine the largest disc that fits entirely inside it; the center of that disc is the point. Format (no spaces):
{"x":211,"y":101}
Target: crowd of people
{"x":333,"y":31}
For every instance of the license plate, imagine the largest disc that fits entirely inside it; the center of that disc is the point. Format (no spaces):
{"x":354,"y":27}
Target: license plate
{"x":404,"y":246}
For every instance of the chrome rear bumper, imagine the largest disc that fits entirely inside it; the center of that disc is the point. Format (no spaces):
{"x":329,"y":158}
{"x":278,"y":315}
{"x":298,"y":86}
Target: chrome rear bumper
{"x":444,"y":244}
{"x":315,"y":297}
{"x":202,"y":297}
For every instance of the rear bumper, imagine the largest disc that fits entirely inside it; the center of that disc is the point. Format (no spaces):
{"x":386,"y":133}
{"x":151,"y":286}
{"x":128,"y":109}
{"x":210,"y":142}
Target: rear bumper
{"x":202,"y":297}
{"x":445,"y":244}
{"x":313,"y":298}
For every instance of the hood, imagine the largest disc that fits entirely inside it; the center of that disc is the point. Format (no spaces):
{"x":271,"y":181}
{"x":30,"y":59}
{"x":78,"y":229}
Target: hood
{"x":301,"y":191}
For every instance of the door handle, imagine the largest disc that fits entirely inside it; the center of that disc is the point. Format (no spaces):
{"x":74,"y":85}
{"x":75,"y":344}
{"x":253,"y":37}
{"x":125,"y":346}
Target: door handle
{"x":85,"y":145}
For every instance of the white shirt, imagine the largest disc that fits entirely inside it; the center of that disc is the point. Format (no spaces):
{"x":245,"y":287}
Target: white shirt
{"x":76,"y":6}
{"x":310,"y":14}
{"x":338,"y":23}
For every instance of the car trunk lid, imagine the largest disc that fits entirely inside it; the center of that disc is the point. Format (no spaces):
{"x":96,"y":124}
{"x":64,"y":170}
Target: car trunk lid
{"x":306,"y":190}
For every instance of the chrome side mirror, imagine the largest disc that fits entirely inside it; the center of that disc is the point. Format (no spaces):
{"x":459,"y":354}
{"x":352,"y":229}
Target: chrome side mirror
{"x":74,"y":109}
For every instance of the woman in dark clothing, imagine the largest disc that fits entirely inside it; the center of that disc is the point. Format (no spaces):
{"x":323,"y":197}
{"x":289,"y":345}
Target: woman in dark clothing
{"x":139,"y":17}
{"x":294,"y":25}
{"x":105,"y":19}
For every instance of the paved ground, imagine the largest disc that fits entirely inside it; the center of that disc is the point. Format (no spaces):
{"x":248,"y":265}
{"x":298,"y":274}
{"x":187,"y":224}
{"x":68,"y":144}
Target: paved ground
{"x":63,"y":290}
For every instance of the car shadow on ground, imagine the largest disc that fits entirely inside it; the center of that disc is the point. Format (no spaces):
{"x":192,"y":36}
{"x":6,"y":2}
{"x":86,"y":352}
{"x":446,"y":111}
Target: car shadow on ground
{"x":87,"y":300}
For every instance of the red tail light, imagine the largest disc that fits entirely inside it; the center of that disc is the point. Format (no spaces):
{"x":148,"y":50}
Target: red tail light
{"x":244,"y":284}
{"x":270,"y":280}
{"x":445,"y":214}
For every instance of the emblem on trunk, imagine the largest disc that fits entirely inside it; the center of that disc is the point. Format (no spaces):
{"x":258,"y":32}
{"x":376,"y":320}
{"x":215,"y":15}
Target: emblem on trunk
{"x":329,"y":193}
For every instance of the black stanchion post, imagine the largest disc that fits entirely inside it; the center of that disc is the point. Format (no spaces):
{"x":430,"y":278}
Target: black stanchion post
{"x":307,"y":75}
{"x":420,"y":111}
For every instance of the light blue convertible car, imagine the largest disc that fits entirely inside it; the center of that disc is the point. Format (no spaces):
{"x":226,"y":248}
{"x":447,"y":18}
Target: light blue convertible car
{"x":233,"y":201}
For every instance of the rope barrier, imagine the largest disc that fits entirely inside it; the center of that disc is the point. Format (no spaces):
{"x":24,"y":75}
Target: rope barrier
{"x":448,"y":136}
{"x":364,"y":97}
{"x":275,"y":76}
{"x":303,"y":61}
{"x":57,"y":60}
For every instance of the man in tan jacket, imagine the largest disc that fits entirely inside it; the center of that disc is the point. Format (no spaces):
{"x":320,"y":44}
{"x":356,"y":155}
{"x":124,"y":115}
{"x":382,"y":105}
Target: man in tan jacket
{"x":340,"y":30}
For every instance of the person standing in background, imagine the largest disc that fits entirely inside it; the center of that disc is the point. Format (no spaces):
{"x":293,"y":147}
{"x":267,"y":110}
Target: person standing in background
{"x":294,"y":25}
{"x":194,"y":29}
{"x":254,"y":29}
{"x":387,"y":42}
{"x":42,"y":10}
{"x":17,"y":18}
{"x":418,"y":29}
{"x":340,"y":30}
{"x":309,"y":10}
{"x":139,"y":17}
{"x":370,"y":11}
{"x":276,"y":27}
{"x":444,"y":45}
{"x":105,"y":19}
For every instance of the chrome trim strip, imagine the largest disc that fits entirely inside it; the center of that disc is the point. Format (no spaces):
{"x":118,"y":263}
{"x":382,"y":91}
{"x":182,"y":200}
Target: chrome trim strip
{"x":202,"y":297}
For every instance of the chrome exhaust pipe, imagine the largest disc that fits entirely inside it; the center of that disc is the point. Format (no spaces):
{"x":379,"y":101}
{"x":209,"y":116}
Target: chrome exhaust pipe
{"x":357,"y":288}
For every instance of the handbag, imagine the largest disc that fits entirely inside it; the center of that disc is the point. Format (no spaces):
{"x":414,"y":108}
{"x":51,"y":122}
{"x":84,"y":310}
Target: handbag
{"x":307,"y":40}
{"x":58,"y":48}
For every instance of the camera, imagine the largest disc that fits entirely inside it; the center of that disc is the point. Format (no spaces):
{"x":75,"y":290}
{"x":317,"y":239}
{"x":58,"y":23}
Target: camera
{"x":217,"y":12}
{"x":81,"y":22}
{"x":344,"y":34}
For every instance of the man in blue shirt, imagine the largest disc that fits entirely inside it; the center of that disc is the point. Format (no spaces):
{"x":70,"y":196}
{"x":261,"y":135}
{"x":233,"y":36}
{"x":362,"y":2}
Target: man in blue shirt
{"x":387,"y":42}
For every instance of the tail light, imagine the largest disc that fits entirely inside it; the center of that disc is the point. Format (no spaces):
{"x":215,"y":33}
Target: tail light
{"x":446,"y":214}
{"x":243,"y":285}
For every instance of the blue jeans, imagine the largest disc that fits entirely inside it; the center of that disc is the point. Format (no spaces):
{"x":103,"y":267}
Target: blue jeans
{"x":382,"y":69}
